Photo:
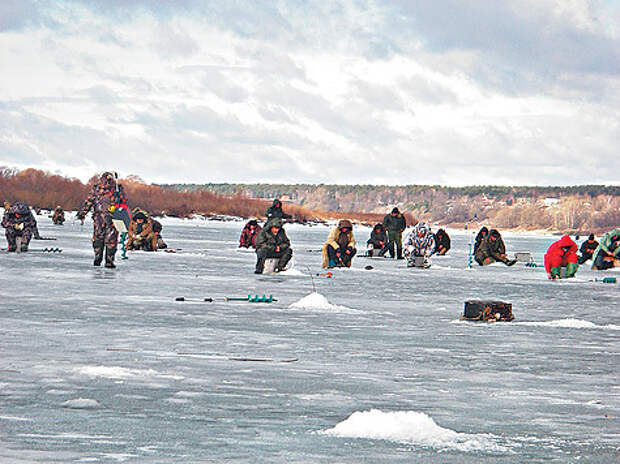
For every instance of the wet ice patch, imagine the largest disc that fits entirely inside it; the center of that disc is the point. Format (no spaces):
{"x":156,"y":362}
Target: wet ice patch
{"x":81,"y":403}
{"x":411,"y":427}
{"x":317,"y":302}
{"x":570,"y":324}
{"x":115,"y":372}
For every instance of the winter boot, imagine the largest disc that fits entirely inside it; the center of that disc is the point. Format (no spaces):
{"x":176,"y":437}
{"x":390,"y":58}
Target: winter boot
{"x":510,"y":262}
{"x":260,"y":266}
{"x":556,"y":272}
{"x":571,"y":270}
{"x":332,"y":263}
{"x":98,"y":247}
{"x":109,"y":257}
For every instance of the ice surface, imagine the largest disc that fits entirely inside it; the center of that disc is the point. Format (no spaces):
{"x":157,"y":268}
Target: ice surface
{"x":232,"y":381}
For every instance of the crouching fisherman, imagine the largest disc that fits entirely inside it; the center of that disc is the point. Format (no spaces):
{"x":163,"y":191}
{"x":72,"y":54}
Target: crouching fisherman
{"x":378,"y":240}
{"x":562,"y":253}
{"x":157,"y":227}
{"x":249,"y":234}
{"x":58,"y":217}
{"x":339,"y":249}
{"x":492,"y":249}
{"x":587,"y":249}
{"x":103,"y":200}
{"x":20,"y":226}
{"x":442,"y":242}
{"x":420,"y":243}
{"x":140,"y":235}
{"x":608,"y":252}
{"x":272,"y":242}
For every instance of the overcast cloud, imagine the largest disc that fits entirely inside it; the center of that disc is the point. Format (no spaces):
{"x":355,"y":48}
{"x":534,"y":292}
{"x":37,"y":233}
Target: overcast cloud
{"x":348,"y":91}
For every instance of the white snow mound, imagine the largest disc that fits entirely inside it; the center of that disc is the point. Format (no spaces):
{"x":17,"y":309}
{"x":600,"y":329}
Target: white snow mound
{"x":410,"y":427}
{"x":81,"y":403}
{"x":115,"y":372}
{"x":317,"y":302}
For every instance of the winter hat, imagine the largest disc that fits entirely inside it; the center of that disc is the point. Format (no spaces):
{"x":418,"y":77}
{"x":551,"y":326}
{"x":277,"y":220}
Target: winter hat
{"x":395,"y":210}
{"x":591,"y":237}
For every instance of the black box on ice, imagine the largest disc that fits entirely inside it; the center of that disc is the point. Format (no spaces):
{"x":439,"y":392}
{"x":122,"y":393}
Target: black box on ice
{"x":488,"y":311}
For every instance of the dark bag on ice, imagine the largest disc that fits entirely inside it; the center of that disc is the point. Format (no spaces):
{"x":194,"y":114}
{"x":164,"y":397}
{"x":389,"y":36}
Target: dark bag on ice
{"x":488,"y":311}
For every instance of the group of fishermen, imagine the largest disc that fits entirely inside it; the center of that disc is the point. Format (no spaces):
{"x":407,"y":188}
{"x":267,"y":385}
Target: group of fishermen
{"x":339,"y":249}
{"x":271,"y":241}
{"x":106,"y":195}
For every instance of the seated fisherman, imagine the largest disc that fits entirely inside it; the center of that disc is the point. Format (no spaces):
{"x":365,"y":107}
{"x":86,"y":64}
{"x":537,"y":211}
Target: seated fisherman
{"x":419,"y":243}
{"x":587,"y":249}
{"x":59,"y":216}
{"x":442,"y":242}
{"x":492,"y":249}
{"x":482,"y":234}
{"x":140,"y":235}
{"x":608,"y":251}
{"x":157,"y":227}
{"x":378,"y":240}
{"x":20,"y":226}
{"x":272,"y":242}
{"x":249,"y":234}
{"x":562,"y":253}
{"x":339,"y":249}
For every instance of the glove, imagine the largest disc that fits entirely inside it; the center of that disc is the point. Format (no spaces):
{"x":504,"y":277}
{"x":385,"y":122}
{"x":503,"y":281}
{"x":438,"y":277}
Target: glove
{"x":338,"y":254}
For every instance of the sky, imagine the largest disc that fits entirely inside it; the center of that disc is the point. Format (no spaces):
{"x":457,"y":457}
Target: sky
{"x":450,"y":92}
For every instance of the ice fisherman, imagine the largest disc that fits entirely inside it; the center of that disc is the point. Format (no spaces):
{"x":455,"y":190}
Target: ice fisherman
{"x":103,"y":198}
{"x":272,"y":242}
{"x":157,"y":228}
{"x":492,"y":249}
{"x":275,"y":211}
{"x":442,"y":242}
{"x":588,"y":247}
{"x":20,"y":225}
{"x":339,"y":248}
{"x":249,"y":234}
{"x":58,"y":217}
{"x":395,"y":223}
{"x":140,"y":235}
{"x":562,"y":253}
{"x":608,"y":251}
{"x":419,"y":243}
{"x":482,"y":234}
{"x":378,"y":240}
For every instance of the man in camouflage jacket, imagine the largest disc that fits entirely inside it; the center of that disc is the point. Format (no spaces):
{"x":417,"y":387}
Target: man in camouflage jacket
{"x":19,"y":222}
{"x":102,"y":200}
{"x":272,"y":242}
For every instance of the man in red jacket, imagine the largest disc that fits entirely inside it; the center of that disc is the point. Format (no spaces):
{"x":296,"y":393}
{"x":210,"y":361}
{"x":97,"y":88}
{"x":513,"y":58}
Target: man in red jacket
{"x":562,"y":253}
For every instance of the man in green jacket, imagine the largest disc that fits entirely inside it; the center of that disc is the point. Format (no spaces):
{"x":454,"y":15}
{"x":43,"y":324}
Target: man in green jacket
{"x":272,"y":242}
{"x":394,"y":224}
{"x":608,"y":250}
{"x":492,"y":249}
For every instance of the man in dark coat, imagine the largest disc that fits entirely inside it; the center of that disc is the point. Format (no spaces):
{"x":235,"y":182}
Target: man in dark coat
{"x":58,"y":217}
{"x":272,"y":242}
{"x":275,"y":211}
{"x":482,"y":234}
{"x":442,"y":242}
{"x":103,"y":199}
{"x":394,"y":224}
{"x":492,"y":249}
{"x":19,"y":224}
{"x":378,"y":239}
{"x":157,"y":228}
{"x":587,"y":249}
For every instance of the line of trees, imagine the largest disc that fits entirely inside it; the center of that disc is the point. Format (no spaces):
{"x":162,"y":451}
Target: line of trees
{"x":44,"y":190}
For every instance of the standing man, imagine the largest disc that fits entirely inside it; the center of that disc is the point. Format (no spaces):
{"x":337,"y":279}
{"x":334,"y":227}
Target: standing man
{"x":275,"y":211}
{"x":394,"y":224}
{"x":105,"y":196}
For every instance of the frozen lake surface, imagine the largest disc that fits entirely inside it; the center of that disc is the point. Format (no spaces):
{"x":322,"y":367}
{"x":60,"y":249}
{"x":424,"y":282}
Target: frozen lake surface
{"x":104,"y":366}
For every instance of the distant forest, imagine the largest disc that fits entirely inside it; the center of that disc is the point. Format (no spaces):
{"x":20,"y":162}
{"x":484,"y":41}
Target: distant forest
{"x":580,"y":208}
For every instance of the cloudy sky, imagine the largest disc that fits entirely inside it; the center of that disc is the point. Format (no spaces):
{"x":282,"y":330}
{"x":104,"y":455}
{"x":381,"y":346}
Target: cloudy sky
{"x":329,"y":91}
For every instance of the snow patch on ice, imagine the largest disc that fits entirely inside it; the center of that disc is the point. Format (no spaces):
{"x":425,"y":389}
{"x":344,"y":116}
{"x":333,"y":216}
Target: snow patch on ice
{"x":16,"y":418}
{"x":570,"y":324}
{"x":291,"y":272}
{"x":115,"y":372}
{"x":411,"y":427}
{"x":317,"y":302}
{"x":81,"y":403}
